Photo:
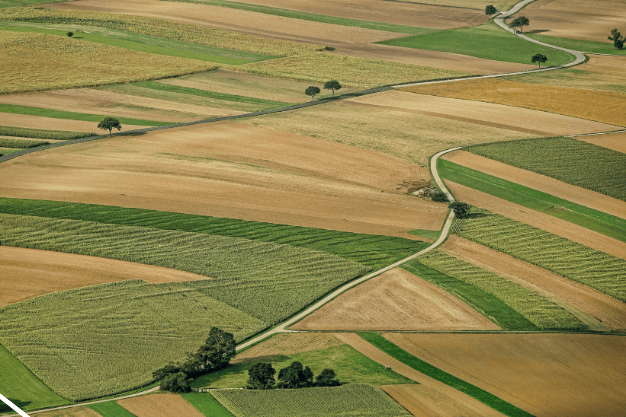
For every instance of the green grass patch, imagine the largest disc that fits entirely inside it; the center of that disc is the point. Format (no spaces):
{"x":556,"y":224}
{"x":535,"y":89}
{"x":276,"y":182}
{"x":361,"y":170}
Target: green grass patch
{"x":42,"y":133}
{"x":486,"y":41}
{"x":355,"y":400}
{"x":350,"y":366}
{"x":23,"y":388}
{"x":21,"y":143}
{"x":110,"y":409}
{"x":484,"y":302}
{"x":313,"y":17}
{"x":61,"y":114}
{"x":567,"y":159}
{"x":428,"y":234}
{"x":206,"y":404}
{"x":598,"y":221}
{"x":17,"y":3}
{"x":579,"y":45}
{"x":7,"y":151}
{"x":370,"y":250}
{"x":538,"y":310}
{"x":572,"y":260}
{"x":436,"y":373}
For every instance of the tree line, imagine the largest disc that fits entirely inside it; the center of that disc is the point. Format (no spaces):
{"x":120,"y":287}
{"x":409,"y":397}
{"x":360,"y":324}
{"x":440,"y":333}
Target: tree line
{"x":261,"y":376}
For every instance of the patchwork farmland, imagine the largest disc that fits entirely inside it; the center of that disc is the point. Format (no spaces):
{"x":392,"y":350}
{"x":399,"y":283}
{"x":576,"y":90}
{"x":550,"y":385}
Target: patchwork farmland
{"x":312,"y":224}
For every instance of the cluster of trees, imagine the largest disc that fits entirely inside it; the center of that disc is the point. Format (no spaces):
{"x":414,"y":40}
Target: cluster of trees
{"x":461,"y":210}
{"x":490,"y":10}
{"x":261,"y":376}
{"x":213,"y":355}
{"x":329,"y":85}
{"x":519,"y":22}
{"x":617,"y":38}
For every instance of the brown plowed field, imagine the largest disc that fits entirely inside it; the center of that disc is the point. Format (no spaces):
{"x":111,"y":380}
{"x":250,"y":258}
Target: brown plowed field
{"x":232,"y":170}
{"x":615,"y":141}
{"x":575,"y":375}
{"x":606,"y":312}
{"x":600,"y":106}
{"x":539,"y":220}
{"x":287,"y":344}
{"x":160,"y":405}
{"x":396,"y":300}
{"x":46,"y":123}
{"x":488,"y":114}
{"x":578,"y":19}
{"x":539,"y":182}
{"x":87,"y":100}
{"x":29,"y":273}
{"x":70,"y":412}
{"x":433,"y":394}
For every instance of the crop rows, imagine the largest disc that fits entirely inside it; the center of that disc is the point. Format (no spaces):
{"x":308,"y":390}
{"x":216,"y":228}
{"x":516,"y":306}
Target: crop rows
{"x":566,"y":159}
{"x":42,"y":134}
{"x":541,"y":312}
{"x":358,"y":400}
{"x":572,"y":260}
{"x":21,"y":143}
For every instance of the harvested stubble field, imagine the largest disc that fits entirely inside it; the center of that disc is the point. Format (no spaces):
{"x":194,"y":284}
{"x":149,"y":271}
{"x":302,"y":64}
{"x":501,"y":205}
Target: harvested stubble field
{"x":71,"y":412}
{"x":57,"y":62}
{"x":606,"y":108}
{"x":29,"y":273}
{"x":285,"y":344}
{"x":396,"y":300}
{"x":385,"y":129}
{"x":66,"y":127}
{"x":160,"y":405}
{"x":594,"y":309}
{"x":615,"y":141}
{"x":544,"y":374}
{"x":471,"y":4}
{"x":250,"y":173}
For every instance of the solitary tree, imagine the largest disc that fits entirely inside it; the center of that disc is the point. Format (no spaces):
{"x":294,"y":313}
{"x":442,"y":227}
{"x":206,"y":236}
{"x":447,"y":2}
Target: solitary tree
{"x":109,"y":123}
{"x":490,"y":10}
{"x":539,"y":58}
{"x":312,"y":91}
{"x":520,"y":22}
{"x":295,"y":376}
{"x":175,"y":383}
{"x":70,"y":34}
{"x":617,"y":38}
{"x":461,"y":210}
{"x":326,"y":378}
{"x":332,"y":85}
{"x":261,"y":376}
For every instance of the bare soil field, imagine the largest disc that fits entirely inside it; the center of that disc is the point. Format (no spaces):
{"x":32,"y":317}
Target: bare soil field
{"x":231,"y":170}
{"x":539,"y":182}
{"x":615,"y":141}
{"x":544,"y":374}
{"x":87,"y":100}
{"x":29,"y":273}
{"x":577,"y":19}
{"x":396,"y":300}
{"x":395,"y":131}
{"x":593,"y":308}
{"x":600,"y":106}
{"x":539,"y":220}
{"x":70,"y":412}
{"x":36,"y":122}
{"x":160,"y":405}
{"x":432,"y":394}
{"x":284,"y":344}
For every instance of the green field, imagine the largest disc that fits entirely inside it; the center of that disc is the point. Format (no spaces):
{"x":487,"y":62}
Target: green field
{"x":579,"y":45}
{"x":15,"y":3}
{"x":206,"y":404}
{"x":473,"y":391}
{"x":110,"y":409}
{"x":21,"y":143}
{"x":355,"y":400}
{"x":538,"y":310}
{"x":42,"y":134}
{"x":572,"y":260}
{"x":598,"y":221}
{"x":488,"y":41}
{"x":349,"y":365}
{"x":370,"y":250}
{"x":485,"y":303}
{"x":23,"y":388}
{"x":566,"y":159}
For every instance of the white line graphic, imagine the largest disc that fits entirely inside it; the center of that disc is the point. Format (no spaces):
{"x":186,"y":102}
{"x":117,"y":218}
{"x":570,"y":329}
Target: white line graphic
{"x":13,"y":406}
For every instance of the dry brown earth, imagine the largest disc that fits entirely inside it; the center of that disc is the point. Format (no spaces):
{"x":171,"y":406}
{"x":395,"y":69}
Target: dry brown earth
{"x":600,"y":106}
{"x":578,"y":19}
{"x":231,"y":170}
{"x":597,"y":310}
{"x":29,"y":273}
{"x":70,"y":412}
{"x":160,"y":405}
{"x":575,"y":375}
{"x":396,"y":300}
{"x":615,"y":141}
{"x":283,"y":344}
{"x":539,"y":182}
{"x":46,"y":123}
{"x":432,"y":394}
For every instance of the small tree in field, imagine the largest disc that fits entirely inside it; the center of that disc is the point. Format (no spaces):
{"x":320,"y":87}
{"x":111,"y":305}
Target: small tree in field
{"x":70,"y":34}
{"x":332,"y":85}
{"x":617,"y":38}
{"x":327,"y":378}
{"x":312,"y":91}
{"x":109,"y":123}
{"x":461,"y":210}
{"x":261,"y":376}
{"x":490,"y":10}
{"x":520,"y":22}
{"x":539,"y":59}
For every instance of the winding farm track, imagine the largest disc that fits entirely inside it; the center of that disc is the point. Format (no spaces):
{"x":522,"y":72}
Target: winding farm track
{"x":499,"y":19}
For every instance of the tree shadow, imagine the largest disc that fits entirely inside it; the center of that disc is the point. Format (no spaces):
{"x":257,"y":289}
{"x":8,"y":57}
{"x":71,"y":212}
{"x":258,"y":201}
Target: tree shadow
{"x":5,"y":408}
{"x":536,"y":31}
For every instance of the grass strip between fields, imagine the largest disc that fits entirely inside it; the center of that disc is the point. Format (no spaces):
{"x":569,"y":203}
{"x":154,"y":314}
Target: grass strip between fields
{"x":206,"y":404}
{"x":589,"y":218}
{"x":427,"y":369}
{"x":25,"y":132}
{"x":313,"y":17}
{"x":61,"y":114}
{"x":110,"y":409}
{"x":579,"y":44}
{"x":16,"y":3}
